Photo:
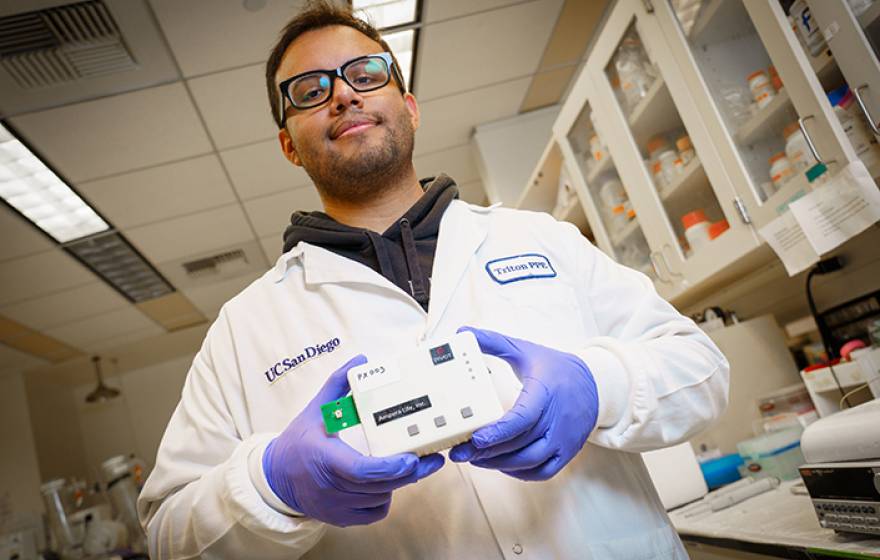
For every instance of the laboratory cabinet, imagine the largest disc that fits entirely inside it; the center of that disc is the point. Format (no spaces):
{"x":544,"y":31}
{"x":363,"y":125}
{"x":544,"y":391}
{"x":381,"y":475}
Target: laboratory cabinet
{"x":693,"y":124}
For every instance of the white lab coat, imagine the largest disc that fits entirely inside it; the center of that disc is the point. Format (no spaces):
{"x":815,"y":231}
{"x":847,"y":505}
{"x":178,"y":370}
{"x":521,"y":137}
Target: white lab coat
{"x":660,"y":381}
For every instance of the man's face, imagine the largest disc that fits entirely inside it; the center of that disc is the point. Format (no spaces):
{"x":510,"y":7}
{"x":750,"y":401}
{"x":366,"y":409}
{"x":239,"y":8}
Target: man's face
{"x":356,"y":142}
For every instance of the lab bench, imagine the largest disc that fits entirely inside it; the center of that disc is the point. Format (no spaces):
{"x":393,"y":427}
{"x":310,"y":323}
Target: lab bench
{"x":776,"y":524}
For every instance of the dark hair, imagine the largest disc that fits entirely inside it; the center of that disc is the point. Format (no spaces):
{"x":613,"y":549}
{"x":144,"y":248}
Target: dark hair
{"x":317,"y":14}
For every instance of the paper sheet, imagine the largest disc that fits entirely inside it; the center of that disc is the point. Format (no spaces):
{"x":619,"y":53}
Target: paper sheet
{"x":786,"y":237}
{"x":837,"y":211}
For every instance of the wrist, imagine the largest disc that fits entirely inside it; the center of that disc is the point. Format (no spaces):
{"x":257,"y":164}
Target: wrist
{"x":259,"y":465}
{"x":611,"y":381}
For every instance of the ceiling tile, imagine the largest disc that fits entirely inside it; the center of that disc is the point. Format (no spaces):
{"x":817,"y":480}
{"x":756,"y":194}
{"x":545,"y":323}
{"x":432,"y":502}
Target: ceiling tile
{"x":223,"y":34}
{"x":117,"y":133}
{"x":517,"y":35}
{"x":272,"y":245}
{"x":66,"y":306}
{"x":271,"y":214}
{"x":450,"y":121}
{"x":14,"y":360}
{"x":435,"y":10}
{"x":80,"y":334}
{"x":106,"y":344}
{"x":160,"y":192}
{"x":40,"y":274}
{"x":472,"y":192}
{"x":235,"y":106}
{"x":191,"y":235}
{"x":19,"y":236}
{"x":456,"y":162}
{"x":260,"y":169}
{"x":209,"y":298}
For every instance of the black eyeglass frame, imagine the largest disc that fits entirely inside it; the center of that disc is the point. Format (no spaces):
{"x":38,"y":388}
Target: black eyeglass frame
{"x":394,"y":72}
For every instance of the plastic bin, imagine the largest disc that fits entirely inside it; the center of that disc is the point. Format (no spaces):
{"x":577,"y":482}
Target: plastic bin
{"x":775,"y":454}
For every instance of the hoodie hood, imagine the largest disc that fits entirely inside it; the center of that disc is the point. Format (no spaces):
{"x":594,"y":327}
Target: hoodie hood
{"x":404,"y":253}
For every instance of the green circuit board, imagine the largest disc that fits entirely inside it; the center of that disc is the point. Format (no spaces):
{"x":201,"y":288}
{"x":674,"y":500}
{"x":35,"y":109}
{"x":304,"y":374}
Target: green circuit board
{"x":340,"y":414}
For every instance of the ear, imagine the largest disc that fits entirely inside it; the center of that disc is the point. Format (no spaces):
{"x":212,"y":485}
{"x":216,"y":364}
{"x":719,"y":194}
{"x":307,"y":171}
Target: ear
{"x":412,"y":106}
{"x":288,"y":148}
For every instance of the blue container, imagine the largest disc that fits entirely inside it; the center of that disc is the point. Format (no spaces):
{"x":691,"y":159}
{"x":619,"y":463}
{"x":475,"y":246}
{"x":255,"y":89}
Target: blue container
{"x":722,"y":470}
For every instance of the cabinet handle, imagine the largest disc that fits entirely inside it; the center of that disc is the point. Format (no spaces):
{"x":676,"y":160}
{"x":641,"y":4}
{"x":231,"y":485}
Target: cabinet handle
{"x":864,"y":109}
{"x":664,"y":279}
{"x":665,"y":262}
{"x":802,"y":125}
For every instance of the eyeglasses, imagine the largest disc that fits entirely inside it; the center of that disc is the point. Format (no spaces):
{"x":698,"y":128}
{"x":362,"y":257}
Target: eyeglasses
{"x":313,"y":88}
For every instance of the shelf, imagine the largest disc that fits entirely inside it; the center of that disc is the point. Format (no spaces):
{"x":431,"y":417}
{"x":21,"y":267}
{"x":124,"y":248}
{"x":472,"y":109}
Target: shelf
{"x":769,"y":120}
{"x":693,"y":177}
{"x":871,"y":16}
{"x":625,"y":233}
{"x":654,"y":114}
{"x":599,"y":170}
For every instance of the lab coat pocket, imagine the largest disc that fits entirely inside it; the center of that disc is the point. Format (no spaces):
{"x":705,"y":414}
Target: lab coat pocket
{"x":659,"y":544}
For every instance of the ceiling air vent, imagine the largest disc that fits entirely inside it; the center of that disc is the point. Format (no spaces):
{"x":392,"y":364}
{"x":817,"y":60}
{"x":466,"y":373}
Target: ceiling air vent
{"x":57,"y":45}
{"x":215,"y":264}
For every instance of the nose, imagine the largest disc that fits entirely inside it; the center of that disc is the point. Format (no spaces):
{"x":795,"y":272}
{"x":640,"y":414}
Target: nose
{"x":344,"y":96}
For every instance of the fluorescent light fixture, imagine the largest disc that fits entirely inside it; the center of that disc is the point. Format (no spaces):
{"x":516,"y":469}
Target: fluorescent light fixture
{"x":42,"y":197}
{"x":401,"y":43}
{"x":386,"y":13}
{"x":114,"y":260}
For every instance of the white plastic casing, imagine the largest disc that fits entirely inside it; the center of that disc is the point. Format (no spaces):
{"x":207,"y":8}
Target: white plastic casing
{"x":425,"y":400}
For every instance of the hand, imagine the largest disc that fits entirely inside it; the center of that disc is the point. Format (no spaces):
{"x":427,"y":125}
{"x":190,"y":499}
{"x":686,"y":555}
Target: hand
{"x":324,"y":478}
{"x":551,"y":419}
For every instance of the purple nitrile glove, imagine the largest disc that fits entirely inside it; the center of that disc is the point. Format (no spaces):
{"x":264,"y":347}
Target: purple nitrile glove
{"x":322,"y":477}
{"x":551,"y":419}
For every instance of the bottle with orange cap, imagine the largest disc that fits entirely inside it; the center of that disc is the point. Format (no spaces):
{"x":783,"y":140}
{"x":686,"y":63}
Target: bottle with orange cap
{"x":780,"y":170}
{"x":761,"y":88}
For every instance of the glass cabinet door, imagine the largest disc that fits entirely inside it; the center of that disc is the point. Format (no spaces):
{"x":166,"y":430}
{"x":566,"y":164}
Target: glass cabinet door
{"x":618,"y":231}
{"x":663,"y":150}
{"x":770,"y":112}
{"x":846,"y":57}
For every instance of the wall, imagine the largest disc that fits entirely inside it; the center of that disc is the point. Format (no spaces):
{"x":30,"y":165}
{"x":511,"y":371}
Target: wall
{"x":19,"y":471}
{"x":135,"y":421}
{"x":57,"y":434}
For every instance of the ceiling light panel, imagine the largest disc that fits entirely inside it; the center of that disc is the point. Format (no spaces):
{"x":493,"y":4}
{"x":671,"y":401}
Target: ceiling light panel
{"x":386,"y":13}
{"x":33,"y":189}
{"x":401,"y":43}
{"x":112,"y":258}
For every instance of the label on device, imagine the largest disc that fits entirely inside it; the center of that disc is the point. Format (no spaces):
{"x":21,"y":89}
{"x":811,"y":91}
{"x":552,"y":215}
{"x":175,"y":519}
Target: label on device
{"x":401,"y":410}
{"x":441,"y":354}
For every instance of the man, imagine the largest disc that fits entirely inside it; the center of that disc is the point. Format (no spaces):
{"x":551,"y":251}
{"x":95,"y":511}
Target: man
{"x":246,"y":469}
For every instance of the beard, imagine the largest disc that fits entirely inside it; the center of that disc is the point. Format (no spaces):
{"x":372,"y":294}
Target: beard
{"x":372,"y":166}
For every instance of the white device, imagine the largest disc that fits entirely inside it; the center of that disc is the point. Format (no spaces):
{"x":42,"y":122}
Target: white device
{"x":843,"y":473}
{"x":427,"y":399}
{"x":850,"y":435}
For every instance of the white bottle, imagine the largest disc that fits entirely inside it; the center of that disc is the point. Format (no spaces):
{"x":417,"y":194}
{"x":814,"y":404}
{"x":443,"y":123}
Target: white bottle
{"x":807,"y":27}
{"x":796,"y":149}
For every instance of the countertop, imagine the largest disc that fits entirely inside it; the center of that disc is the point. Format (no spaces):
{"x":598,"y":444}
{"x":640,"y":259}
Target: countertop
{"x":775,"y":519}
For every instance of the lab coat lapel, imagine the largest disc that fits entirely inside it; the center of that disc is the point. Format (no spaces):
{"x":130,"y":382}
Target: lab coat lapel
{"x":321,"y":266}
{"x":462,"y":230}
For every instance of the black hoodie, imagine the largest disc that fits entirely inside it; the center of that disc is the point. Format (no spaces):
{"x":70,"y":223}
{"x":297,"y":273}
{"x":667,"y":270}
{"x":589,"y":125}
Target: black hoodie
{"x":404,"y":253}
